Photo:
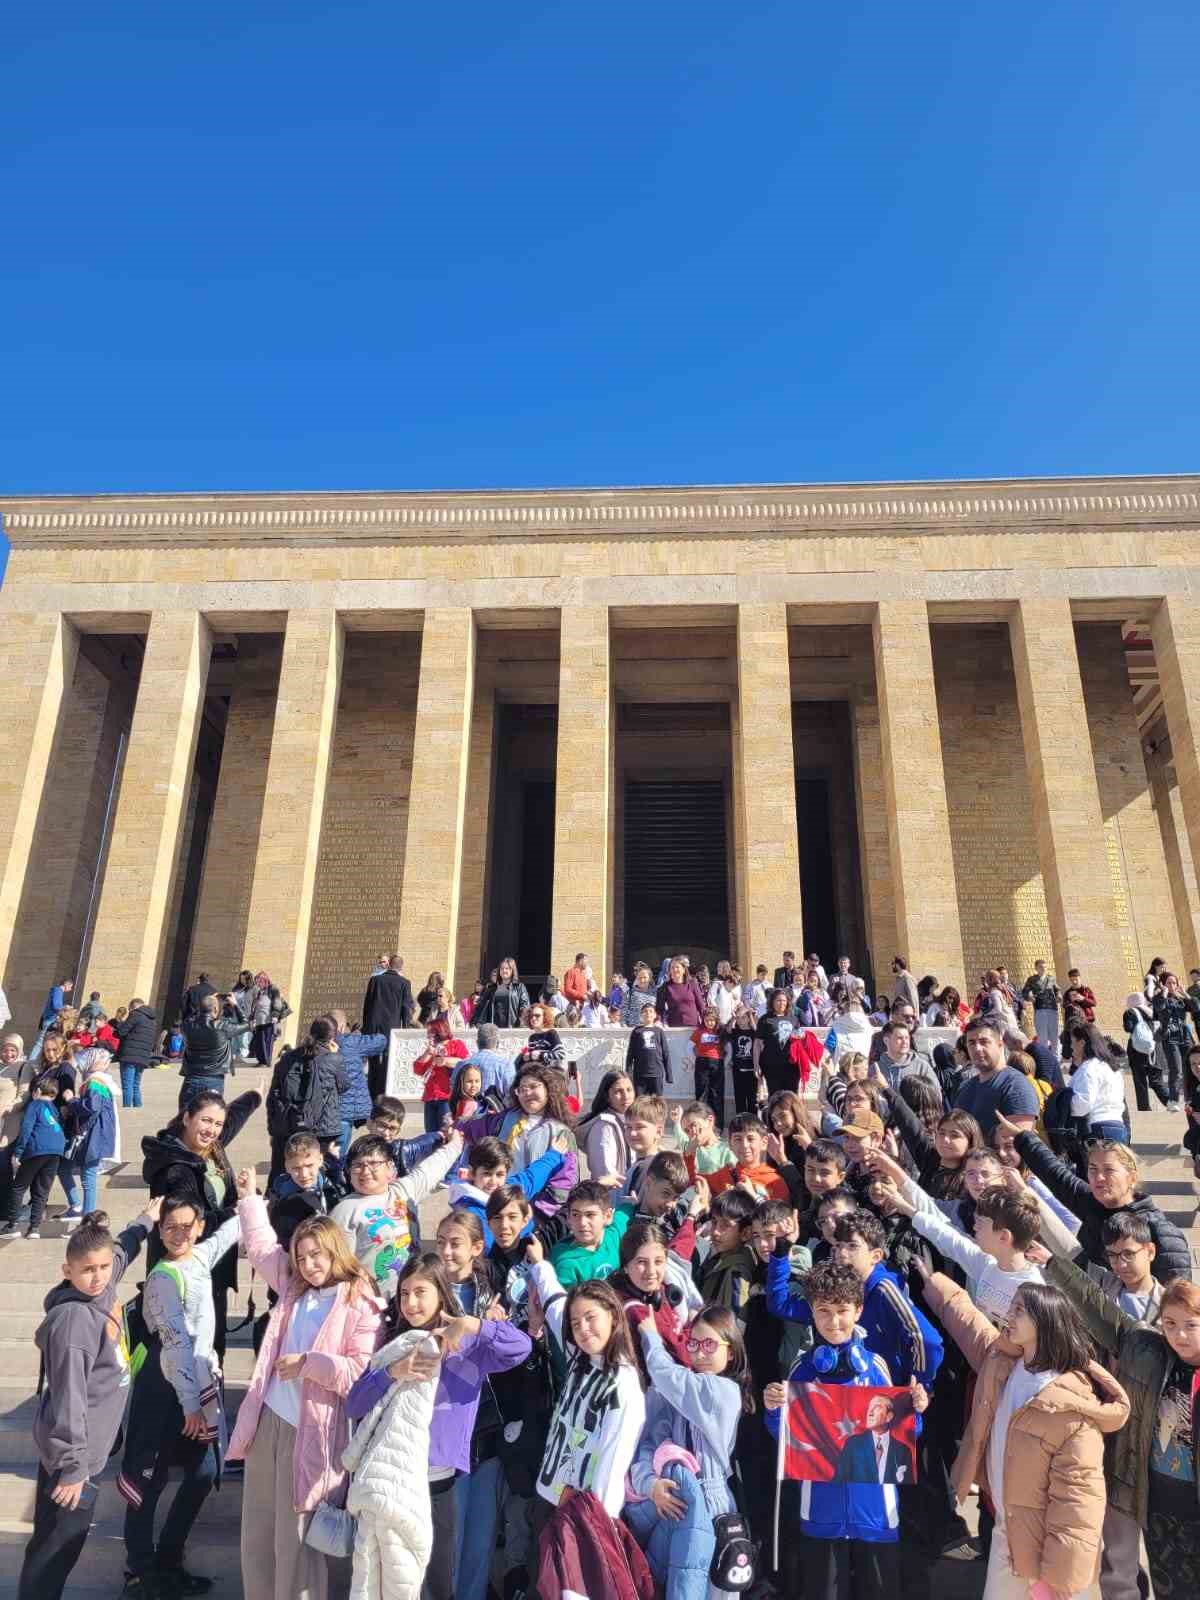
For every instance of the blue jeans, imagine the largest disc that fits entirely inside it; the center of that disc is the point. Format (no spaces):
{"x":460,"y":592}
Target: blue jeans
{"x":679,"y":1553}
{"x":66,"y":1176}
{"x":436,"y":1112}
{"x":90,"y":1174}
{"x":198,"y":1084}
{"x":131,"y":1086}
{"x":478,"y":1511}
{"x":1116,"y":1131}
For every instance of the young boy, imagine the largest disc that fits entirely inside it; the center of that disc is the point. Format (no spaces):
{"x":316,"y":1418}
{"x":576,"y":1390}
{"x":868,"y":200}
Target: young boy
{"x":748,"y":1142}
{"x":895,"y":1329}
{"x":644,"y":1124}
{"x":594,"y":1248}
{"x":826,"y":1214}
{"x":310,"y":1185}
{"x":860,"y":1139}
{"x":1006,"y":1224}
{"x":387,"y":1122}
{"x":848,"y":1532}
{"x":375,"y":1215}
{"x":488,"y":1169}
{"x":754,"y":994}
{"x":36,"y":1153}
{"x":726,"y":1274}
{"x":82,"y":1402}
{"x":709,"y":1153}
{"x":647,"y":1059}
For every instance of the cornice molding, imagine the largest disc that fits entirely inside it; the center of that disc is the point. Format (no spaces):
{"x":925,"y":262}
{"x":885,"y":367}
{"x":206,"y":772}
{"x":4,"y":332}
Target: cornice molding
{"x":1009,"y":506}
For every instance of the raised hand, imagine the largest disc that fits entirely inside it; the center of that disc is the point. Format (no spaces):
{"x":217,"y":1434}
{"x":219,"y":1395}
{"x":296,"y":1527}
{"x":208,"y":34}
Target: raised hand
{"x":153,"y":1208}
{"x":247,"y":1183}
{"x":533,"y":1250}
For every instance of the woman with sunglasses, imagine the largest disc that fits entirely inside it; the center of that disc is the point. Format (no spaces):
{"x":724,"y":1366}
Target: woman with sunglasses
{"x":684,"y":1457}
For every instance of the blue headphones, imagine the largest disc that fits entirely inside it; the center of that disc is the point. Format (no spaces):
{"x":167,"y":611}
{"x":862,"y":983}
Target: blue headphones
{"x":850,"y":1359}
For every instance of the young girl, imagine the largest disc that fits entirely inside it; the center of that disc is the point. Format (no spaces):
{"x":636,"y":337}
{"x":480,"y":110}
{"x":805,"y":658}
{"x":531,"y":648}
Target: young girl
{"x":683,"y":1460}
{"x":291,"y":1428}
{"x":938,"y":1157}
{"x":708,"y":1050}
{"x":788,"y":1120}
{"x":739,"y":1040}
{"x":466,"y":1093}
{"x":602,"y":1132}
{"x":435,"y":1064}
{"x":537,"y":1114}
{"x":94,"y":1121}
{"x":641,"y":1280}
{"x":1154,"y":1466}
{"x":601,"y":1409}
{"x":473,"y":1347}
{"x":1034,"y":1440}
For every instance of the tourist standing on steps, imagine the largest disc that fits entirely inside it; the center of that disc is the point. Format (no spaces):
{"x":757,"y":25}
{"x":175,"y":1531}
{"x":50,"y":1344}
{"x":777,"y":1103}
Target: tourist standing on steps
{"x":188,"y":1158}
{"x":194,"y":997}
{"x":504,"y":997}
{"x":772,"y":1056}
{"x":1042,"y":993}
{"x":55,"y":1001}
{"x":387,"y":1004}
{"x":1144,"y":1066}
{"x":681,"y":1001}
{"x":1174,"y":1012}
{"x":136,"y":1035}
{"x":996,"y":1087}
{"x":904,"y":985}
{"x":208,"y":1048}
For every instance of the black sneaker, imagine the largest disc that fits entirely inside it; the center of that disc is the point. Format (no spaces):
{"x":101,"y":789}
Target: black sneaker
{"x":143,"y":1586}
{"x":178,"y":1581}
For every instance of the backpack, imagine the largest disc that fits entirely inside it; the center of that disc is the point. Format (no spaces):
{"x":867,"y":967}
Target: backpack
{"x":733,"y":1567}
{"x":299,"y":1097}
{"x":135,"y":1331}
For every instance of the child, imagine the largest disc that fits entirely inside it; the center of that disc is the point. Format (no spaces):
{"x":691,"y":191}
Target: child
{"x":786,"y":1119}
{"x":644,"y":1124}
{"x":861,"y":1136}
{"x":593,"y":1250}
{"x":726,"y":1276}
{"x":387,"y":1122}
{"x":1129,"y":1281}
{"x":995,"y":1263}
{"x":739,"y":1042}
{"x":772,"y":1347}
{"x":36,"y":1153}
{"x":828,"y":1211}
{"x":375,"y":1215}
{"x":467,"y":1096}
{"x":848,"y":1532}
{"x":291,"y":1427}
{"x":310,"y":1185}
{"x":474,"y":1346}
{"x":1154,"y":1464}
{"x":93,"y":1120}
{"x":939,"y":1158}
{"x":684,"y":1457}
{"x":488,"y":1169}
{"x":82,"y":1401}
{"x":537,"y":1114}
{"x":511,"y":1220}
{"x":824,"y":1171}
{"x":176,"y":1415}
{"x":708,"y":1153}
{"x":601,"y":1410}
{"x":748,"y":1141}
{"x":852,"y":1068}
{"x":647,"y":1057}
{"x":435,"y":1065}
{"x":1035,"y":1438}
{"x":1191,"y":1139}
{"x":895,"y":1329}
{"x":602,"y":1133}
{"x":708,"y":1050}
{"x":755,"y":996}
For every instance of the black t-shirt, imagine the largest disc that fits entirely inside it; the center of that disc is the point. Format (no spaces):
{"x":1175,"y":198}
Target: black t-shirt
{"x":775,"y":1033}
{"x":741,"y":1048}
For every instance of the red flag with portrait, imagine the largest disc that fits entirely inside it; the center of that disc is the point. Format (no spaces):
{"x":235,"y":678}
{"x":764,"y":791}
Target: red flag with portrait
{"x":841,"y":1433}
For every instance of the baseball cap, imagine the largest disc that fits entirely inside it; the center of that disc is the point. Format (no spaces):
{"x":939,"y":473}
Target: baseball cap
{"x":863,"y":1126}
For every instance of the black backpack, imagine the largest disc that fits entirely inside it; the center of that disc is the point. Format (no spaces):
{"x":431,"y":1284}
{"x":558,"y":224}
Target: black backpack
{"x":299,"y":1099}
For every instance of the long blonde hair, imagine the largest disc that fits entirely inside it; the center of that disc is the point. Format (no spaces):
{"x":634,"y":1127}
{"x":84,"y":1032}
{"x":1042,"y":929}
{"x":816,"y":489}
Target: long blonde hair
{"x":344,"y":1267}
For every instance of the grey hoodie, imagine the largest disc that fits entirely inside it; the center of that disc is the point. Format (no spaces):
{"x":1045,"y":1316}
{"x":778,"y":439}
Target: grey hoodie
{"x":86,"y":1371}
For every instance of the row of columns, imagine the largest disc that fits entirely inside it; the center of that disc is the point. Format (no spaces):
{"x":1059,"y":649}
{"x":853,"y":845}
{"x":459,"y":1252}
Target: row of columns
{"x":909,"y":883}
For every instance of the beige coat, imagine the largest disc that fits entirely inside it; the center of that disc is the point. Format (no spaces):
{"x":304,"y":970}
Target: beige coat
{"x":1053,"y":1491}
{"x":14,"y":1096}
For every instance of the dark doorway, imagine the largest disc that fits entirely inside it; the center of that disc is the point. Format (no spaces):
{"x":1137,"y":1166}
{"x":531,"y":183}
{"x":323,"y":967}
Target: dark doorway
{"x":676,"y":881}
{"x":816,"y":867}
{"x":537,"y":878}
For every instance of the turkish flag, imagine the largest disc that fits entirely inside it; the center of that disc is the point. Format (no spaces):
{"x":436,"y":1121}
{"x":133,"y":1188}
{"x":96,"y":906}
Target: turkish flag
{"x":820,"y":1417}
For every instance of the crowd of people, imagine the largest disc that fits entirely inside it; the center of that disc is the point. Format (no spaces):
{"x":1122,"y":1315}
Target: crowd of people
{"x":584,"y":1381}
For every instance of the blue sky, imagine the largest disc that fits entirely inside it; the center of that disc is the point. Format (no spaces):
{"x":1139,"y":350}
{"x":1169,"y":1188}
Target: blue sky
{"x":284,"y":245}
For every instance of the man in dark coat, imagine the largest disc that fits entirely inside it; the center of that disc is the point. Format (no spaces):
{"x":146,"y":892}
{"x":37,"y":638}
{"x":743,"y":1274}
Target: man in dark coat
{"x":387,"y":1004}
{"x":193,"y":997}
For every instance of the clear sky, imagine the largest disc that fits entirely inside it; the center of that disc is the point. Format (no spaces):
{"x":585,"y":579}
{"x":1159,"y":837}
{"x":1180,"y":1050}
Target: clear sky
{"x":282,"y":244}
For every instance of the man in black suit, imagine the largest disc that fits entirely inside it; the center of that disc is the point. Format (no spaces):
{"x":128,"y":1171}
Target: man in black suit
{"x":387,"y":1004}
{"x":875,"y":1455}
{"x":786,"y":975}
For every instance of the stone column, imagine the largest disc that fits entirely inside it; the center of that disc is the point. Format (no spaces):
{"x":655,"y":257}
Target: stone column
{"x":879,"y":901}
{"x":914,"y":787}
{"x":430,"y":896}
{"x":285,"y":867}
{"x":37,"y":663}
{"x":768,"y":844}
{"x":582,"y":914}
{"x":477,"y":821}
{"x":1066,"y":800}
{"x":131,"y":915}
{"x":1175,"y":630}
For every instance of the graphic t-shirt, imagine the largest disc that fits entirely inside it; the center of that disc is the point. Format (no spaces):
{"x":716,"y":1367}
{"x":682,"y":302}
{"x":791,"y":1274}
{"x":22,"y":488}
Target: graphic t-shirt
{"x":1172,"y":1451}
{"x":741,"y":1049}
{"x":379,"y":1230}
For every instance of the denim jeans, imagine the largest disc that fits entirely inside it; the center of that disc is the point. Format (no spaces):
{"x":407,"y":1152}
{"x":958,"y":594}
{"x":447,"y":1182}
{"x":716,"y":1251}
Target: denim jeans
{"x":478,"y":1511}
{"x":66,"y":1176}
{"x":131,"y":1086}
{"x":1116,"y":1131}
{"x":90,"y":1175}
{"x":436,"y":1112}
{"x":679,"y":1553}
{"x":1045,"y":1025}
{"x":199,"y":1465}
{"x":198,"y":1084}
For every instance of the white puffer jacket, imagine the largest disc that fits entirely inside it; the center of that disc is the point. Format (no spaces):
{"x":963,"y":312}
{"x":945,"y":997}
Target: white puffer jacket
{"x":388,"y":1456}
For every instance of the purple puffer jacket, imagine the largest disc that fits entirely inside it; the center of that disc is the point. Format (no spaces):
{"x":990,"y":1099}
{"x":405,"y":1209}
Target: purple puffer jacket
{"x":495,"y":1348}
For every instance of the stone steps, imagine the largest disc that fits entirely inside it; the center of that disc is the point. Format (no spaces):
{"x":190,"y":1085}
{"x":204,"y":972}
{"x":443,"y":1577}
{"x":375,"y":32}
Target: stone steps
{"x":29,"y":1269}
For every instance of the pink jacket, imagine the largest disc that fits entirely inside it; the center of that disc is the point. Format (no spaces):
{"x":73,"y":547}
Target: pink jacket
{"x":340,"y":1353}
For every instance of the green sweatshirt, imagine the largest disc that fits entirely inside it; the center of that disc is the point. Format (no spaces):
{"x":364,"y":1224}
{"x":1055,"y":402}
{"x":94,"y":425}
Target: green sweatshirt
{"x":574,"y":1263}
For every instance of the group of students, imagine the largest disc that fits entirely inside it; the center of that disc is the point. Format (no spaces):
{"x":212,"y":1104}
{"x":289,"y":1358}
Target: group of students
{"x":587,"y":1374}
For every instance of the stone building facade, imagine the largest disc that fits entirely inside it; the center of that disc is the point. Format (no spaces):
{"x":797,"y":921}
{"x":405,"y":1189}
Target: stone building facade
{"x":294,"y":731}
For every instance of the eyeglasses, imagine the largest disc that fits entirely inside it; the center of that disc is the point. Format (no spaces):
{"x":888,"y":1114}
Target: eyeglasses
{"x":703,"y":1347}
{"x":1124,"y":1257}
{"x":368,"y":1166}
